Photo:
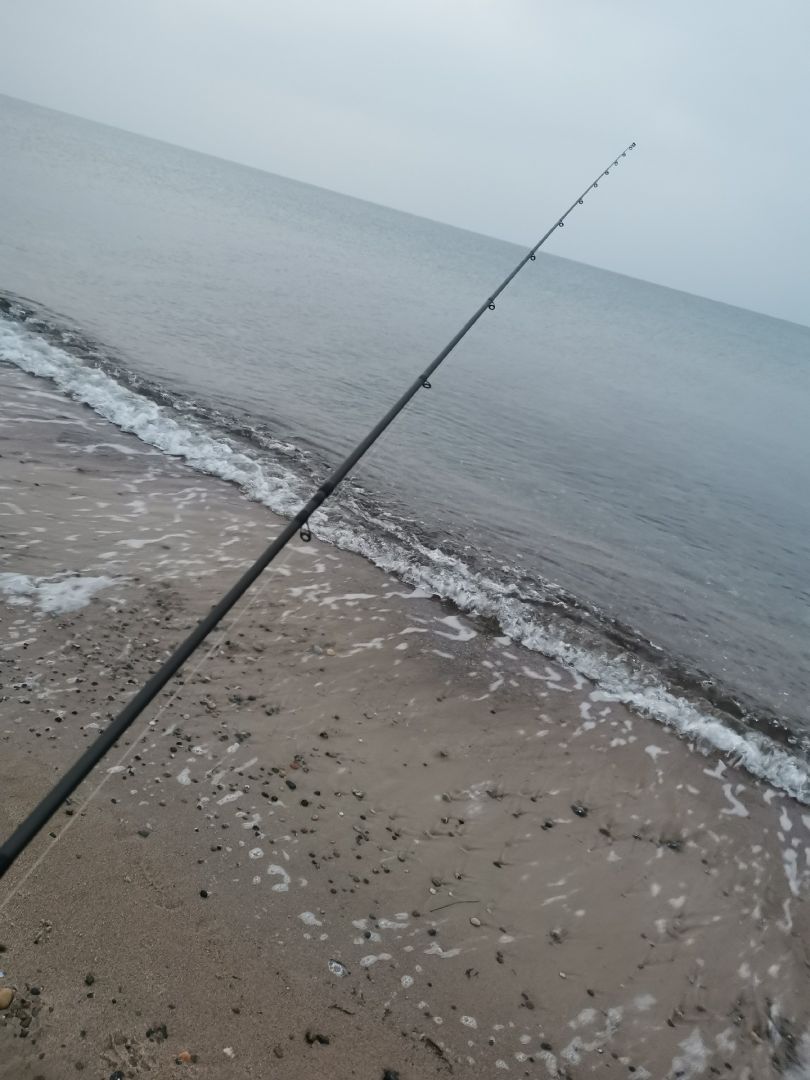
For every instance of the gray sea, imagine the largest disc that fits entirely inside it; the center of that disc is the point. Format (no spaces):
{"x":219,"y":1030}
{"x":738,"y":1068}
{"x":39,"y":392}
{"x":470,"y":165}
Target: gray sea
{"x":618,"y":473}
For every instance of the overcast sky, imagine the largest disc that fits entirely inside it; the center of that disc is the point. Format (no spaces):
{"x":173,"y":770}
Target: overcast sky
{"x":490,"y":114}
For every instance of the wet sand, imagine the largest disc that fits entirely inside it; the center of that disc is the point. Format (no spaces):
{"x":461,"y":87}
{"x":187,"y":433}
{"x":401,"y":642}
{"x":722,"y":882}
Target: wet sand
{"x":365,"y":836}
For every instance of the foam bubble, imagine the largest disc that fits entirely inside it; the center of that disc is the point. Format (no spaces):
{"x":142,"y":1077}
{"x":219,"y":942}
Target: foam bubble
{"x":57,"y":595}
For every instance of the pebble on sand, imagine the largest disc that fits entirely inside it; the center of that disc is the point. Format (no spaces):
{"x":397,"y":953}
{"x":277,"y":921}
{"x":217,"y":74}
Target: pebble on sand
{"x":6,"y":997}
{"x":474,"y":921}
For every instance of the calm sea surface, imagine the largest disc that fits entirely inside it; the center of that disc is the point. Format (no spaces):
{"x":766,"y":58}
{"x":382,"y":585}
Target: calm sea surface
{"x":619,"y":472}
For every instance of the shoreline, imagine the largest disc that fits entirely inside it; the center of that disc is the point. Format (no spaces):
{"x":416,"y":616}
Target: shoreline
{"x":620,"y":663}
{"x":425,"y":845}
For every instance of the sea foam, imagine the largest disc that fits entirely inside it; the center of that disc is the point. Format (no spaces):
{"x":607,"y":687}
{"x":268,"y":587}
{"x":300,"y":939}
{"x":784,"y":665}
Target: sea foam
{"x":55,"y":595}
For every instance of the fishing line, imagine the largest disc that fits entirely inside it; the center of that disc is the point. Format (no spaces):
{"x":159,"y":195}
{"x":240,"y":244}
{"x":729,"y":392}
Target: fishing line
{"x":47,"y":807}
{"x":120,"y":762}
{"x":113,"y":770}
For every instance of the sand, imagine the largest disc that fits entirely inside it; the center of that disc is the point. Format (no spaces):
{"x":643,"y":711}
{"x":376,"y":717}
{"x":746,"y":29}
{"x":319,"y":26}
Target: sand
{"x":365,"y":836}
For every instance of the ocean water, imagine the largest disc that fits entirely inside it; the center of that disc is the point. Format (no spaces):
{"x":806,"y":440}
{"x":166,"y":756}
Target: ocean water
{"x":616,"y":472}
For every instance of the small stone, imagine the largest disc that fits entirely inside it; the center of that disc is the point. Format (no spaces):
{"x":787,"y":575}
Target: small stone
{"x":6,"y":997}
{"x":313,"y":1037}
{"x":204,"y":893}
{"x":184,"y":1057}
{"x":475,"y":921}
{"x":579,"y":810}
{"x":117,"y":1075}
{"x":145,"y":833}
{"x":390,"y":1074}
{"x":89,"y":979}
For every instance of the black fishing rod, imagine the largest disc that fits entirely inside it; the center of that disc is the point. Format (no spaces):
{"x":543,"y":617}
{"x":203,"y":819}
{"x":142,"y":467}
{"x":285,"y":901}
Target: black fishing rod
{"x":64,"y":788}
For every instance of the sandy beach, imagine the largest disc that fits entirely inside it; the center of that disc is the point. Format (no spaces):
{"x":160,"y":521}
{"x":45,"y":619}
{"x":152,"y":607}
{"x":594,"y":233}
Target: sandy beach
{"x":362,"y":835}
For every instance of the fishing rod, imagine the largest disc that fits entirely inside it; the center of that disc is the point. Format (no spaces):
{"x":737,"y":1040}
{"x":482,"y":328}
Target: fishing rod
{"x":64,"y":788}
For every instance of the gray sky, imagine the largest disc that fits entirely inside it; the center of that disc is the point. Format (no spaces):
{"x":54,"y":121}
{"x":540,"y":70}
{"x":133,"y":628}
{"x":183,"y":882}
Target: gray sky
{"x":490,"y":114}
